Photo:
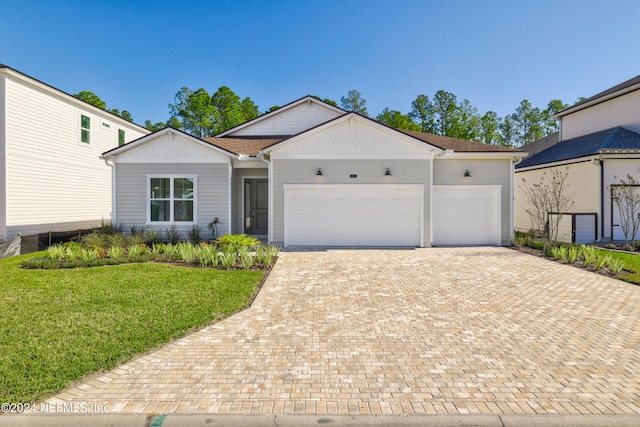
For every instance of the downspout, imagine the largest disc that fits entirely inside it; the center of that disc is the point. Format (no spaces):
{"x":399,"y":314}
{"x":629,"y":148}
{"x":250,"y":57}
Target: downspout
{"x":270,"y":178}
{"x":112,"y":165}
{"x":229,"y":196}
{"x":602,"y":201}
{"x":430,"y":200}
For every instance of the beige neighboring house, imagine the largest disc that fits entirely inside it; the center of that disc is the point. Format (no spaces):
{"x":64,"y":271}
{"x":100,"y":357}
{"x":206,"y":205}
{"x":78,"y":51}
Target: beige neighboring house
{"x":598,"y":144}
{"x":311,"y":174}
{"x":51,"y":174}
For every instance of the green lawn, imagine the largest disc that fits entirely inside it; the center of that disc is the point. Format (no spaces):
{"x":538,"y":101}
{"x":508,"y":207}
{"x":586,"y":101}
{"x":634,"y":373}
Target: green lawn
{"x":631,"y":263}
{"x":56,"y":326}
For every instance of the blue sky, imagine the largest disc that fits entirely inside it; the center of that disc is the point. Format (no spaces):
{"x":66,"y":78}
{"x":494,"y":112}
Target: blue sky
{"x":136,"y":55}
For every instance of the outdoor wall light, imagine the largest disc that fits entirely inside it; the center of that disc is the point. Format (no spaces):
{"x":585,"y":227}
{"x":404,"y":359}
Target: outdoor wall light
{"x":387,"y":172}
{"x":319,"y":172}
{"x":467,"y":174}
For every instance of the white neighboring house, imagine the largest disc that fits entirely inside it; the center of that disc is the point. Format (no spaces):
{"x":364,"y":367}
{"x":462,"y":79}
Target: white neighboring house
{"x":51,"y":174}
{"x":599,"y":143}
{"x":311,"y":174}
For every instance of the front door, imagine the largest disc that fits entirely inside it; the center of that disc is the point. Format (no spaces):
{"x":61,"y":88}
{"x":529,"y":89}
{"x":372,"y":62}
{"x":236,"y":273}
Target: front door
{"x":256,"y":206}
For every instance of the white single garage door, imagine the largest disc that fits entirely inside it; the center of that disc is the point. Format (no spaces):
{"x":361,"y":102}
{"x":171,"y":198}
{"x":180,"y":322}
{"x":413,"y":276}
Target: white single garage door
{"x":353,"y":215}
{"x":466,"y":215}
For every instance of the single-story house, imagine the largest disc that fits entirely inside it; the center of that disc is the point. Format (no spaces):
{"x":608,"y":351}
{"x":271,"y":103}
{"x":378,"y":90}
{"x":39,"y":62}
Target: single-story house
{"x":311,"y":174}
{"x":597,"y":146}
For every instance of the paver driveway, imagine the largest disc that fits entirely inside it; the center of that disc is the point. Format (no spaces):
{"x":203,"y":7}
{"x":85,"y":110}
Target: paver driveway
{"x":454,"y":330}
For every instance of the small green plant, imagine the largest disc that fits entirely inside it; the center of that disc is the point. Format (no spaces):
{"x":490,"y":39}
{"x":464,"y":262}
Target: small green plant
{"x":152,"y":237}
{"x":588,"y":255}
{"x":627,"y":248}
{"x":247,"y":259}
{"x":559,"y":252}
{"x":136,"y":252}
{"x":601,"y":261}
{"x":194,"y":235}
{"x":537,"y":244}
{"x":187,"y":252}
{"x":573,"y":254}
{"x":236,"y":241}
{"x":57,"y":252}
{"x":94,"y":240}
{"x":615,"y":265}
{"x":610,"y":246}
{"x":116,"y":252}
{"x":172,"y":235}
{"x":228,"y":259}
{"x":89,"y":254}
{"x":71,"y":252}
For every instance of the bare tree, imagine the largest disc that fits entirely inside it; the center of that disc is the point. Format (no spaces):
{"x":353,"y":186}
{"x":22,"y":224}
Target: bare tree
{"x":548,"y":202}
{"x":627,"y":199}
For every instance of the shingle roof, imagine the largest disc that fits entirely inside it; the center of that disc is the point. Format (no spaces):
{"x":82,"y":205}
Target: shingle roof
{"x":610,"y":141}
{"x":459,"y":145}
{"x":631,"y":82}
{"x":250,"y":146}
{"x":541,"y":144}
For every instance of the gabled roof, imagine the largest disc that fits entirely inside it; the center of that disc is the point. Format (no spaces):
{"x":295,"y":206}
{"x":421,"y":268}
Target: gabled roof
{"x":341,"y":118}
{"x":286,"y":107}
{"x":250,"y":146}
{"x":541,"y":144}
{"x":24,"y":77}
{"x":253,"y":145}
{"x":617,"y":90}
{"x":157,"y":134}
{"x":459,"y":145}
{"x":617,"y":140}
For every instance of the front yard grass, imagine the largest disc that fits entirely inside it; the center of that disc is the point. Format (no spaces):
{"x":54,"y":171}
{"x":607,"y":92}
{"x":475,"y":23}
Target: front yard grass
{"x":57,"y":326}
{"x":631,"y":264}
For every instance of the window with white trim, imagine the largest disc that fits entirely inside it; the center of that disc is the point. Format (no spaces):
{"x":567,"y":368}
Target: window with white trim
{"x":171,"y":199}
{"x":85,"y":129}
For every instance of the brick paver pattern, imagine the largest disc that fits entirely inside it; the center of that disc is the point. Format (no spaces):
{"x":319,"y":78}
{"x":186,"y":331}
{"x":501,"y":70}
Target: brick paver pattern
{"x":435,"y":331}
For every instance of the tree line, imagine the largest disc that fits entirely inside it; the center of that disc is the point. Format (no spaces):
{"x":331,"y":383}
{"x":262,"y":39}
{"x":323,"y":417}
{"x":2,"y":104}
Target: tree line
{"x":201,"y":114}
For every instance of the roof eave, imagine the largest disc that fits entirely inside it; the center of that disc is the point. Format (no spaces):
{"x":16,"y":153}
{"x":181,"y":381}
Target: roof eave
{"x":596,"y":101}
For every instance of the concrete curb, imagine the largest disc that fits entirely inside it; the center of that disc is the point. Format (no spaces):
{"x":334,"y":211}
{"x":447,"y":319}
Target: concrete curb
{"x":183,"y":420}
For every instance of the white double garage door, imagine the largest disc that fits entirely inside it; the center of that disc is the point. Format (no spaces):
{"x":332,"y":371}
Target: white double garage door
{"x":363,"y":215}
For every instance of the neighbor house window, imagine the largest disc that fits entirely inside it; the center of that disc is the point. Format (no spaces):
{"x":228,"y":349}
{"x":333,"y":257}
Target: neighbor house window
{"x":171,"y":199}
{"x":85,"y":128}
{"x":120,"y":137}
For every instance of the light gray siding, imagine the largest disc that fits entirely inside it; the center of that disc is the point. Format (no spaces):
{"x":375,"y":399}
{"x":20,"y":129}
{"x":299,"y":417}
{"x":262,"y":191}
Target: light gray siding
{"x":212,"y":193}
{"x":289,"y":121}
{"x":237,"y":195}
{"x":483,"y":172}
{"x":303,"y":171}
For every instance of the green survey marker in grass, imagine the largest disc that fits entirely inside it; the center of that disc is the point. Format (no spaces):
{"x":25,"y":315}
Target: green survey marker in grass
{"x":56,"y":326}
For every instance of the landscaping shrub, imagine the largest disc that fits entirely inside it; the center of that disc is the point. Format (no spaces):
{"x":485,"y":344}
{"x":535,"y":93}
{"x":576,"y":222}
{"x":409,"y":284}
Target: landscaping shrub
{"x":601,"y":261}
{"x":615,"y":265}
{"x":152,"y":237}
{"x":627,"y":248}
{"x":194,"y":235}
{"x":172,"y":235}
{"x":588,"y":255}
{"x":235,"y":241}
{"x":610,"y":246}
{"x":558,"y":252}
